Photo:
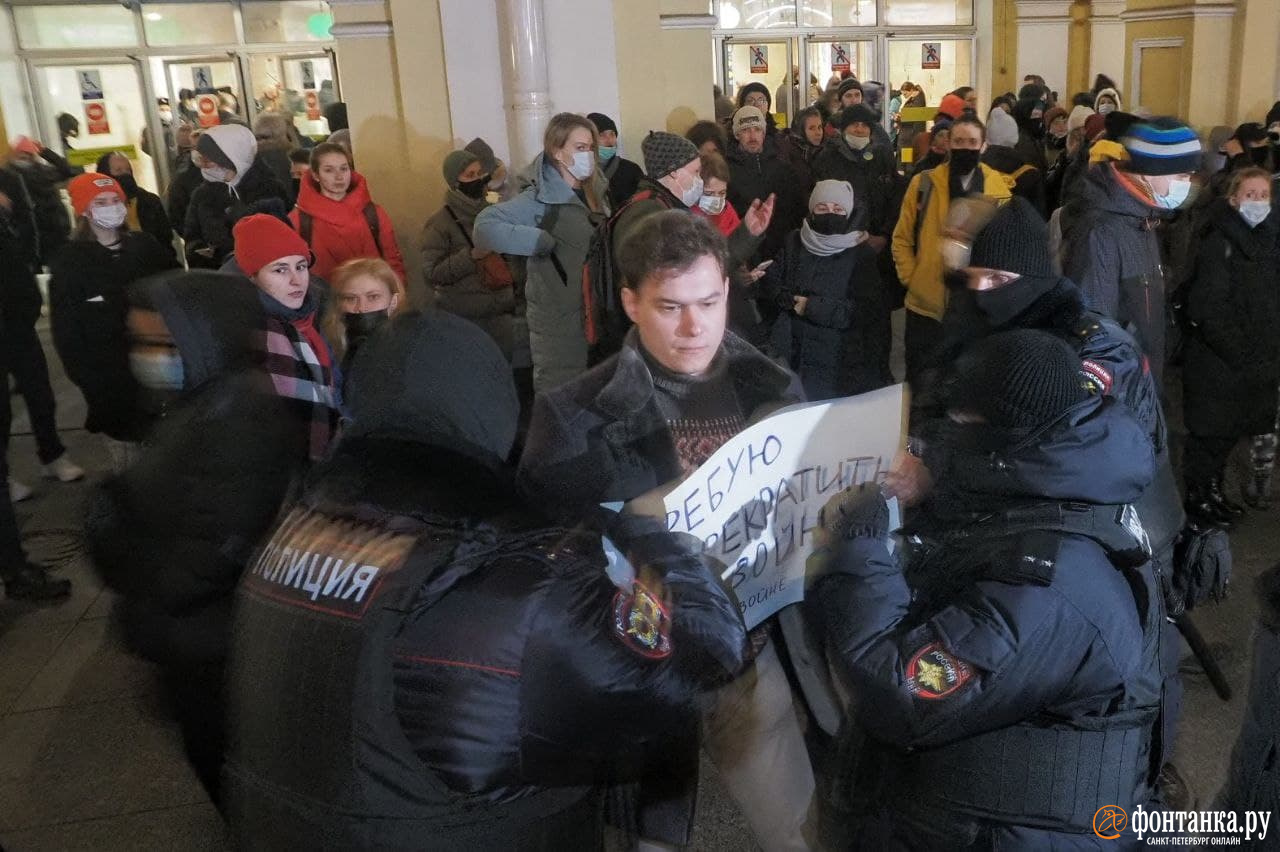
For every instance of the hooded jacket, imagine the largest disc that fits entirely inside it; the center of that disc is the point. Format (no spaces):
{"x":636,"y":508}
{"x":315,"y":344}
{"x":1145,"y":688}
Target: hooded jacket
{"x":1112,"y":252}
{"x":1001,"y":702}
{"x":214,"y":208}
{"x":1031,"y":133}
{"x":174,"y":532}
{"x":919,"y":262}
{"x":1231,"y":355}
{"x":478,"y":675}
{"x":88,"y":302}
{"x":340,"y":229}
{"x":454,"y":277}
{"x":548,"y":220}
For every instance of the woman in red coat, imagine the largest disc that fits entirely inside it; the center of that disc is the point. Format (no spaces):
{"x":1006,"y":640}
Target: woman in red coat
{"x":337,"y":217}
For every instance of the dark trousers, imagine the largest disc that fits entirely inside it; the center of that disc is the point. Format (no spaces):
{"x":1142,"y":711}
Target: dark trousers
{"x":1205,"y":457}
{"x":921,"y":340}
{"x":31,"y":372}
{"x":11,"y":555}
{"x":196,"y":693}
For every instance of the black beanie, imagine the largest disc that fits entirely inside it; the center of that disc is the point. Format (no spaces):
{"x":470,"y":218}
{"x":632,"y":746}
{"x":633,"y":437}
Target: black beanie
{"x":857,"y":112}
{"x":1015,"y":240}
{"x":1019,"y":379}
{"x":754,"y":87}
{"x":602,"y":122}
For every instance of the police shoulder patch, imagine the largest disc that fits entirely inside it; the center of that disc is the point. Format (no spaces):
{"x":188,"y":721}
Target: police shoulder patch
{"x":934,"y":673}
{"x":1097,"y":375}
{"x":642,"y":623}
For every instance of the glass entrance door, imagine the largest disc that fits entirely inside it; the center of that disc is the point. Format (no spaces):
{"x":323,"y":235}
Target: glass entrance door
{"x":106,"y":106}
{"x":206,"y":82}
{"x":297,"y":85}
{"x":938,"y":65}
{"x":828,"y":58}
{"x":768,"y":62}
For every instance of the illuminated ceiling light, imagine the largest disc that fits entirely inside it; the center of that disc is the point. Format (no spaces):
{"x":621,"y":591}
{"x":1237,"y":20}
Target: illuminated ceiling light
{"x":154,"y":16}
{"x":729,"y":16}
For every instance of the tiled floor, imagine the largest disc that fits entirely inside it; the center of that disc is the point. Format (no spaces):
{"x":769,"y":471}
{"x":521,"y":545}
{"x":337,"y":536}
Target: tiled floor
{"x":89,"y":760}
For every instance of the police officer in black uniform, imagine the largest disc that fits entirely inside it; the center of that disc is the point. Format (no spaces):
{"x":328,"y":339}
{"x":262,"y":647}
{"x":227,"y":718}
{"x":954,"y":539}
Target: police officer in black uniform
{"x":1005,"y":685}
{"x":1008,"y":283}
{"x":420,"y":662}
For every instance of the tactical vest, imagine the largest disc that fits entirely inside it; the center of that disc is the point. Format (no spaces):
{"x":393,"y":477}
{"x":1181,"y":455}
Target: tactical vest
{"x":1047,"y":773}
{"x":318,"y":758}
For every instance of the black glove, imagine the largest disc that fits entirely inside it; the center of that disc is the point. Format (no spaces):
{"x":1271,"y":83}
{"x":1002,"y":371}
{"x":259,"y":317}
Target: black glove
{"x":858,"y":511}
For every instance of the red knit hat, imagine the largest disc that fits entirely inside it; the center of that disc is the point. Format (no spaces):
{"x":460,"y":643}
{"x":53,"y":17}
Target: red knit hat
{"x":88,"y":186}
{"x":260,"y":239}
{"x":1094,"y":125}
{"x":952,"y":106}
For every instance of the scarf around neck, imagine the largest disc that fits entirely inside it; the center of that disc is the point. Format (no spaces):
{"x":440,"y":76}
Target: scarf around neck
{"x":825,"y":245}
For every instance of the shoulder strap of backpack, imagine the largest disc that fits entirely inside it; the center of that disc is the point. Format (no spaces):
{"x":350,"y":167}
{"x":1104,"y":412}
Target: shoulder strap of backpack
{"x":375,"y":227}
{"x":304,"y":226}
{"x":923,"y":193}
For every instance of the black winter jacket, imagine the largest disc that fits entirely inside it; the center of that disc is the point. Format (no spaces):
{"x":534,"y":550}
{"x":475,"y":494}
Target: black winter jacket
{"x":186,"y":180}
{"x":1030,"y":181}
{"x":44,"y":179}
{"x":602,"y":438}
{"x":840,"y":346}
{"x":174,"y":532}
{"x":877,"y":189}
{"x":1112,"y":251}
{"x":757,"y":176}
{"x":1231,"y":355}
{"x":88,"y":302}
{"x":624,"y":179}
{"x":19,"y":293}
{"x":153,"y":220}
{"x":216,"y":207}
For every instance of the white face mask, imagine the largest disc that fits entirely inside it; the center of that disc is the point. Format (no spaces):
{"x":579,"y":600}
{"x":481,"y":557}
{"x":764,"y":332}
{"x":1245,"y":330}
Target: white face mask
{"x":691,"y":196}
{"x":1255,"y":212}
{"x":215,"y":174}
{"x":584,"y":163}
{"x":108,"y":217}
{"x":857,"y":143}
{"x":1103,"y":109}
{"x":712,"y":205}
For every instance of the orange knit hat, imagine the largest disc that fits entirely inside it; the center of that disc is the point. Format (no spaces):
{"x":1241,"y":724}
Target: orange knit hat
{"x":86,"y":187}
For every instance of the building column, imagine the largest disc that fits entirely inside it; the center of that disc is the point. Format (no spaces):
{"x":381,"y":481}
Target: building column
{"x":1044,"y":32}
{"x":1107,"y":43}
{"x":524,"y":66}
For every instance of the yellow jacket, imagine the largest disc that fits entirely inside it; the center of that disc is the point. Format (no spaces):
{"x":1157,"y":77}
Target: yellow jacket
{"x":920,"y":267}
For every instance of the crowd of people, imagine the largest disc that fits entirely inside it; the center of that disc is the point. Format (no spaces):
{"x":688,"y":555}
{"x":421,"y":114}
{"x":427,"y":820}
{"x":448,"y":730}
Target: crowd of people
{"x":363,"y":541}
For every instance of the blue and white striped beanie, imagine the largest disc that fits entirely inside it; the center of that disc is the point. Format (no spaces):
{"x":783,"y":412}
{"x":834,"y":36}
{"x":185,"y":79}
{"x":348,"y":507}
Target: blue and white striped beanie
{"x":1162,"y":146}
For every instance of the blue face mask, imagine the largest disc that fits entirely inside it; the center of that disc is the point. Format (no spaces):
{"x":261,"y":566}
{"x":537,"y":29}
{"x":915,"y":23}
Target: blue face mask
{"x":157,"y":371}
{"x":1178,"y":192}
{"x":608,"y":153}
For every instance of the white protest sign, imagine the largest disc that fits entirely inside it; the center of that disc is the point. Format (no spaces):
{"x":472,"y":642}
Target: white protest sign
{"x":755,"y":502}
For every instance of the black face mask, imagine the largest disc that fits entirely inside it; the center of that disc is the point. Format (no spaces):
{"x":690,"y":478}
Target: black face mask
{"x":1003,"y":305}
{"x":360,"y":326}
{"x":963,"y":160}
{"x":1058,"y":142}
{"x":829,"y":223}
{"x":474,"y":188}
{"x":1259,"y":155}
{"x":128,"y":184}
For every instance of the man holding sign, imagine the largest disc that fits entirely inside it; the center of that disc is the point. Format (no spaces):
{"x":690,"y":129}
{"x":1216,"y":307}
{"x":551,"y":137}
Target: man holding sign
{"x":681,"y":388}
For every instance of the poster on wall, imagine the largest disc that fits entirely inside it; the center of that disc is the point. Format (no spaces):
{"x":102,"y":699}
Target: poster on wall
{"x":759,"y":58}
{"x":202,"y":79}
{"x":931,"y":55}
{"x":840,"y":57}
{"x":90,"y":83}
{"x":95,"y":117}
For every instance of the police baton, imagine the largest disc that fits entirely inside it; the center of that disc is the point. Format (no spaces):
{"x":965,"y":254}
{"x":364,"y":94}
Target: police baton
{"x":1195,"y":640}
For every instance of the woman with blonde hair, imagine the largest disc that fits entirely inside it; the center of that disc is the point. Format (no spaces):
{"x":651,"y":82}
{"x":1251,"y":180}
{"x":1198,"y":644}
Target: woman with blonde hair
{"x":365,"y":292}
{"x":551,"y":223}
